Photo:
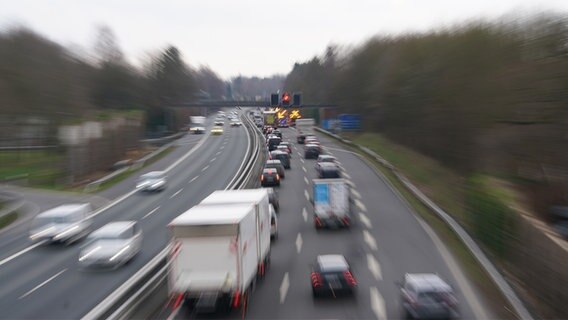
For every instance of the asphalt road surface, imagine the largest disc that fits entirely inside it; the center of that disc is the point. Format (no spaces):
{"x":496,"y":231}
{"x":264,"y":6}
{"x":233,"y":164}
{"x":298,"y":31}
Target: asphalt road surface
{"x":45,"y":281}
{"x":385,"y":242}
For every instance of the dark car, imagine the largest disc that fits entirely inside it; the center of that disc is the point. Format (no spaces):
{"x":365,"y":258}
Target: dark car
{"x":273,"y":198}
{"x":269,"y":177}
{"x":276,"y":164}
{"x":272,"y":142}
{"x":332,"y":275}
{"x":277,"y":133}
{"x":328,"y":170}
{"x":311,"y":151}
{"x":427,"y":296}
{"x":284,"y":157}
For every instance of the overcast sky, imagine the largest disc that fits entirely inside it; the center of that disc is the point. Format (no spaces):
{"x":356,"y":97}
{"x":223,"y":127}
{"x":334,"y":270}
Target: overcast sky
{"x":252,"y":37}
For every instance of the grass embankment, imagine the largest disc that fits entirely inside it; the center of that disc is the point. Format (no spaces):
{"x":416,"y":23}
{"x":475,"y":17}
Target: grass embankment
{"x":127,"y":173}
{"x":447,"y":189}
{"x":40,"y":168}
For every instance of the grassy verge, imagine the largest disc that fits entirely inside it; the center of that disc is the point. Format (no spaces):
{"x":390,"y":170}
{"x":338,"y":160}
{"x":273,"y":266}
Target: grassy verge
{"x":40,"y":168}
{"x":127,"y":173}
{"x":449,"y":188}
{"x":8,"y":219}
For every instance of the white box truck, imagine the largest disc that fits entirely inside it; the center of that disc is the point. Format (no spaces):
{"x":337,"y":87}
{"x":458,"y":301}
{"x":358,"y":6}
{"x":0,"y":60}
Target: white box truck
{"x":260,"y":199}
{"x":213,"y":262}
{"x":332,"y":203}
{"x":305,"y":127}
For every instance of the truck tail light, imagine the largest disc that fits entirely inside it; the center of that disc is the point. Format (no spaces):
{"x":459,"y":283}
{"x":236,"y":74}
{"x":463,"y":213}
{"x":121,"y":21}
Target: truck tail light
{"x":236,"y":299}
{"x":316,"y":279}
{"x":349,"y":278}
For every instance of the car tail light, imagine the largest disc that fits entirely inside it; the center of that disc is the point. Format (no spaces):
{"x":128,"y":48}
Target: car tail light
{"x":277,"y":177}
{"x":316,"y":279}
{"x":346,"y":221}
{"x":318,"y":221}
{"x":349,"y":278}
{"x":262,"y":178}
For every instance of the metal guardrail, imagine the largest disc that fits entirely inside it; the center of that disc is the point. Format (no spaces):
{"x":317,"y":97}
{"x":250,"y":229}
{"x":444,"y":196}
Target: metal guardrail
{"x":466,"y":239}
{"x":121,"y":303}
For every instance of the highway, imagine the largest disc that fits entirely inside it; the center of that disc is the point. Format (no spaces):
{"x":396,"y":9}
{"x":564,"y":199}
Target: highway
{"x":45,"y":282}
{"x":385,"y":242}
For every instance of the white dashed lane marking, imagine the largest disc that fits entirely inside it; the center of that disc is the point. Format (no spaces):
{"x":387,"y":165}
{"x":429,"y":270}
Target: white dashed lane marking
{"x":369,"y":240}
{"x":306,"y":180}
{"x":193,"y":179}
{"x":284,"y":288}
{"x":305,"y":214}
{"x":307,"y":195}
{"x":360,"y":205}
{"x":205,"y":168}
{"x":304,"y":168}
{"x":365,"y":220}
{"x":299,"y":243}
{"x":374,"y":267}
{"x":177,"y":192}
{"x":42,"y":284}
{"x":377,"y":304}
{"x":356,"y":193}
{"x":151,"y":212}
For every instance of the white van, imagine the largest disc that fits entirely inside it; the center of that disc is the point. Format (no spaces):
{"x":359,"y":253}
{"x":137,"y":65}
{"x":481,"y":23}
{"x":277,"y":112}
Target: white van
{"x":65,"y":224}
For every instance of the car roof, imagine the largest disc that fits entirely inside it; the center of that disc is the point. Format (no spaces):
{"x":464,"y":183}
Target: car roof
{"x":63,"y":210}
{"x":328,"y":165}
{"x":112,"y":229}
{"x":332,"y":262}
{"x":326,"y":156}
{"x":269,"y":170}
{"x":275,"y":161}
{"x":427,"y":282}
{"x":311,"y":145}
{"x":153,"y":174}
{"x":275,"y":152}
{"x":285,"y":143}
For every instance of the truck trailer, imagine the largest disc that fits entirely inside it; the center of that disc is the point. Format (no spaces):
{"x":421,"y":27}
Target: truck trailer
{"x":213,"y":264}
{"x":259,"y":198}
{"x":332,"y":203}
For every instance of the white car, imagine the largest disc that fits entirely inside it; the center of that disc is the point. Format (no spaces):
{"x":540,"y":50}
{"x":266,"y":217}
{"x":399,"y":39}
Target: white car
{"x":64,"y":224}
{"x":112,"y":245}
{"x":152,"y":181}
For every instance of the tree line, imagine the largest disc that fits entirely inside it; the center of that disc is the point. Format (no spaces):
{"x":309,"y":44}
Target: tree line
{"x":485,"y":97}
{"x":41,"y":78}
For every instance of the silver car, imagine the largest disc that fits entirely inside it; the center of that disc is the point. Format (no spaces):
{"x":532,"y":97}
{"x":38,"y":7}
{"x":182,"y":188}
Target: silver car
{"x":427,"y":296}
{"x":113,"y":245}
{"x":152,"y":181}
{"x":64,"y":224}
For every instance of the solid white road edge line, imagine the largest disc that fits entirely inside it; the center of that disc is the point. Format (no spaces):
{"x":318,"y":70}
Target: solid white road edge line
{"x":17,"y":254}
{"x":369,"y":240}
{"x":374,"y":267}
{"x":299,"y":243}
{"x":466,"y":289}
{"x":177,"y":192}
{"x":305,"y":214}
{"x":150,"y":213}
{"x":365,"y":220}
{"x":42,"y":284}
{"x":377,"y":303}
{"x":284,"y":288}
